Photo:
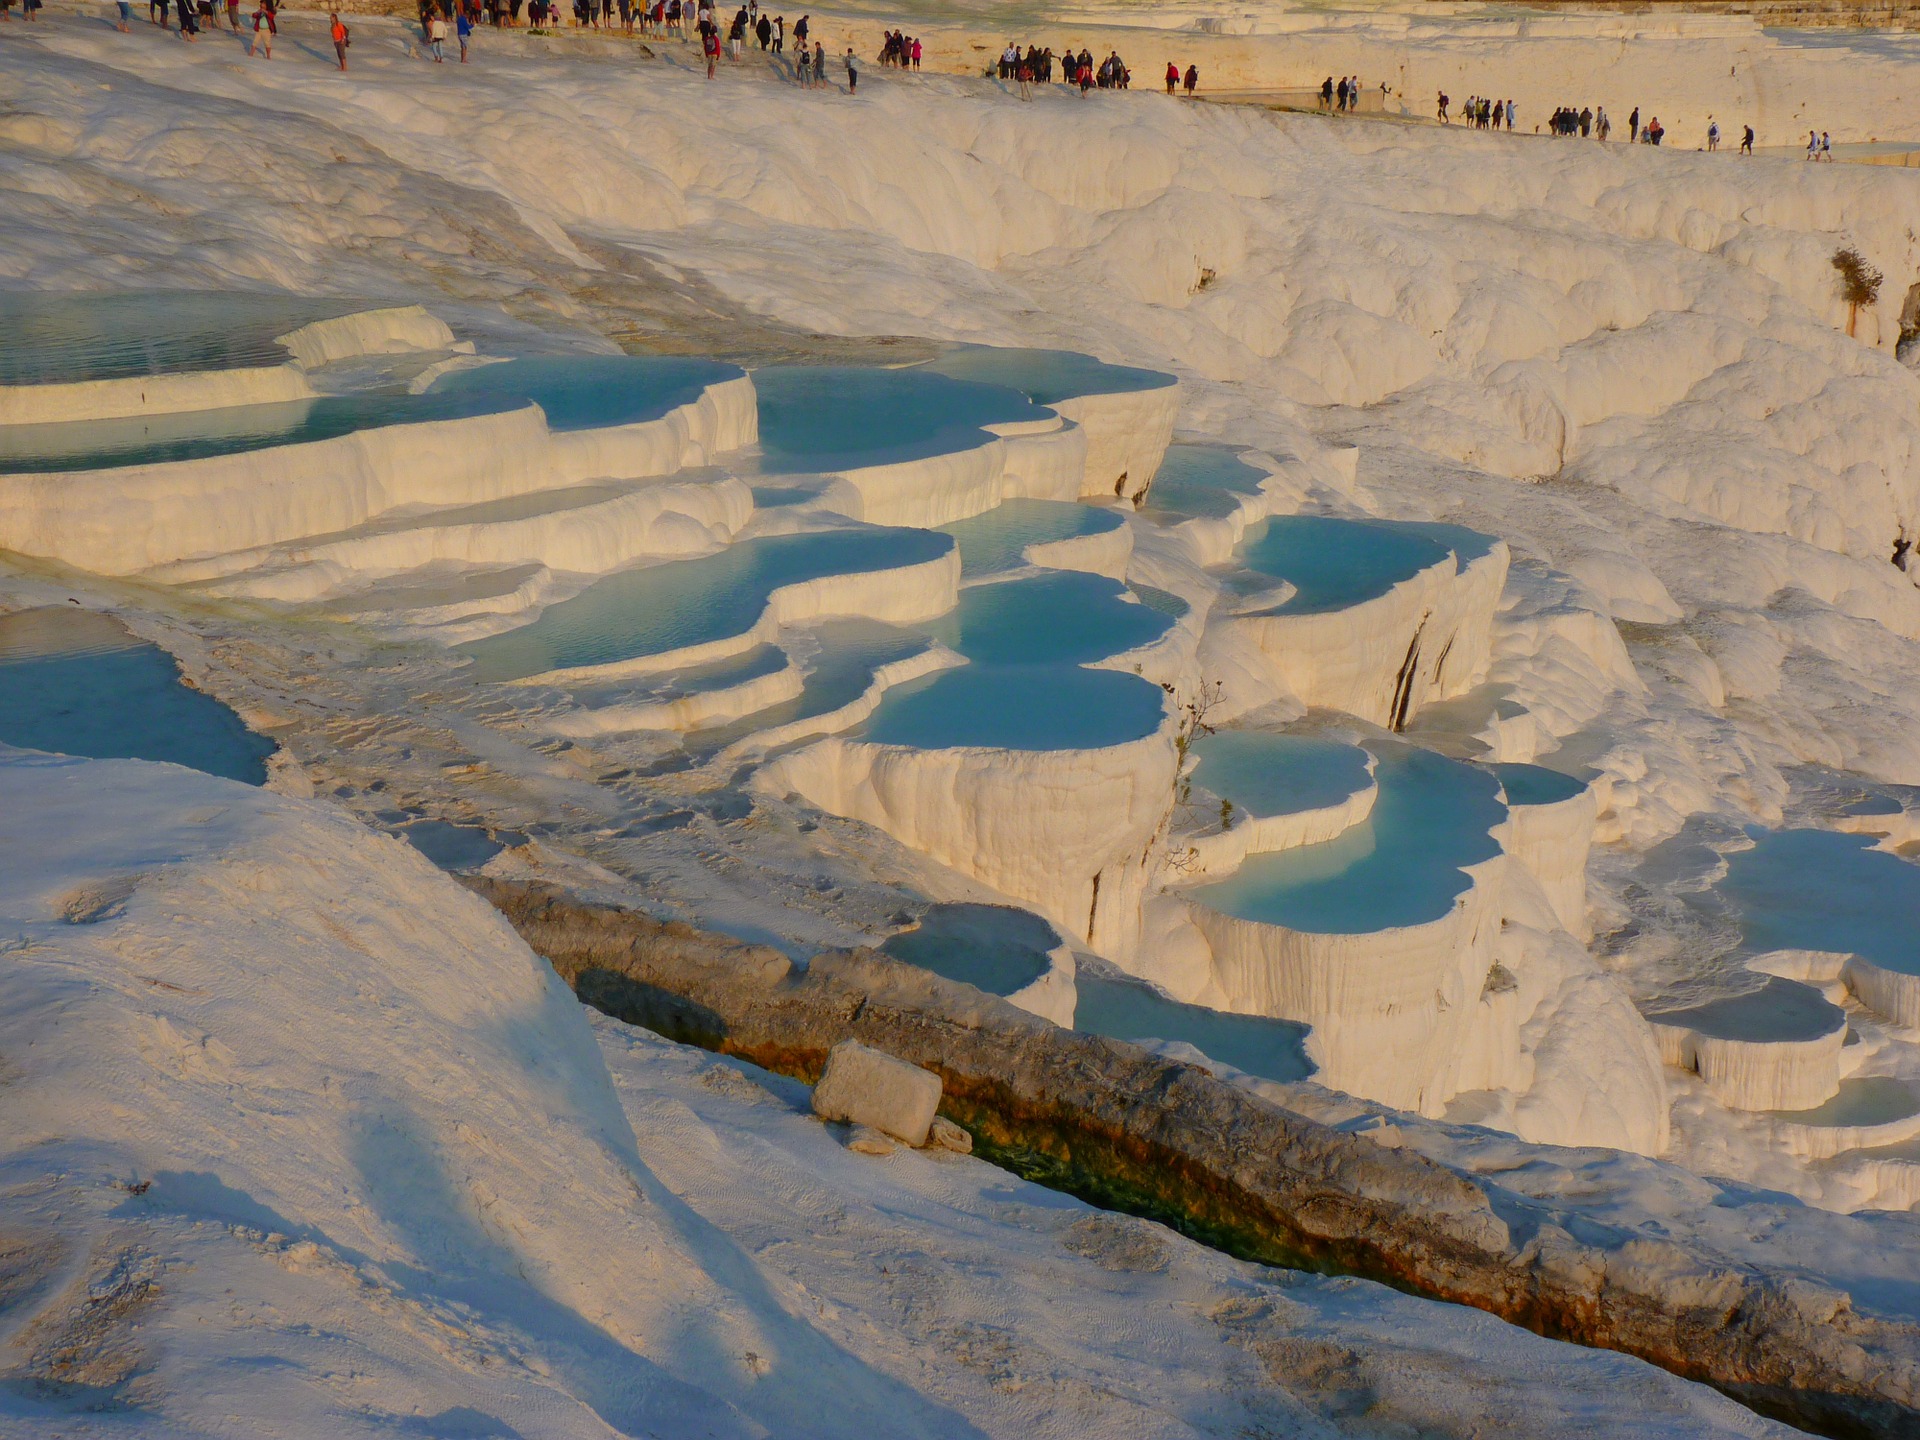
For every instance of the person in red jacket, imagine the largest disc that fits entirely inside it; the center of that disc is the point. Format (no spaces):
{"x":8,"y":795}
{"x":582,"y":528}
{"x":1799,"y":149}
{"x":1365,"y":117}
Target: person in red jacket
{"x":1173,"y":77}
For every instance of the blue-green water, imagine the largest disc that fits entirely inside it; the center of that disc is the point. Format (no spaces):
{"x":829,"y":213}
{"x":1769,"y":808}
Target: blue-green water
{"x":1401,"y":866}
{"x":77,"y":683}
{"x":1823,"y":890}
{"x":838,"y":673}
{"x":1272,"y":774}
{"x":1201,"y":480}
{"x":1046,"y":376}
{"x":1133,"y":1010}
{"x":658,"y":609}
{"x":820,"y":419}
{"x":1778,"y":1010}
{"x":575,"y":391}
{"x":1018,"y":707}
{"x":50,"y":339}
{"x":1060,"y":618}
{"x":1535,"y":784}
{"x":1865,"y":1100}
{"x":1002,"y":950}
{"x":1025,"y":688}
{"x":994,"y":948}
{"x":1333,"y":563}
{"x":996,"y":540}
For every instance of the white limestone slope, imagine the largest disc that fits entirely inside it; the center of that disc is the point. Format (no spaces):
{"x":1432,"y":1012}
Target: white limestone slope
{"x":283,"y":1098}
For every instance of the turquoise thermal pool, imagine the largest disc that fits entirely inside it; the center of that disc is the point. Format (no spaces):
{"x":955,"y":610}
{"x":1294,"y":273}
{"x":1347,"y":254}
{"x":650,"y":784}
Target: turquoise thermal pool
{"x":1200,"y":481}
{"x":996,"y":540}
{"x":575,"y":392}
{"x":1273,"y":774}
{"x":1058,"y":618}
{"x":1779,"y":1010}
{"x":1865,"y":1100}
{"x":1824,"y":890}
{"x":1334,"y":564}
{"x":1403,"y":865}
{"x":822,"y":419}
{"x":994,"y":948}
{"x":77,"y":683}
{"x":1045,"y":376}
{"x":1026,"y":688}
{"x":63,"y":339}
{"x":846,"y":655}
{"x":1129,"y":1009}
{"x":658,"y":609}
{"x":1535,"y":784}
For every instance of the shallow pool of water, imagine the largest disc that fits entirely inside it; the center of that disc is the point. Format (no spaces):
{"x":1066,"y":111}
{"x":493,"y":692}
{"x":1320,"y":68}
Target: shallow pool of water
{"x":997,"y":540}
{"x":845,"y":654}
{"x":1334,"y":564}
{"x":1535,"y":784}
{"x":1778,"y":1010}
{"x":821,"y":419}
{"x":1026,"y":688}
{"x":1824,"y":890}
{"x":575,"y":391}
{"x":1264,"y":773}
{"x":1864,"y":1100}
{"x":1403,"y":865}
{"x":1129,"y":1009}
{"x":1061,"y":618}
{"x":1018,"y":707}
{"x":1045,"y":376}
{"x":1201,"y":481}
{"x":1000,"y":950}
{"x":994,"y":948}
{"x":48,"y":339}
{"x":657,"y":609}
{"x":78,"y":683}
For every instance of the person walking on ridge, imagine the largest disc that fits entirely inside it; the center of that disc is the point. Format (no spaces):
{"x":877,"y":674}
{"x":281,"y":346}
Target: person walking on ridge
{"x":1193,"y":80}
{"x":1746,"y":141}
{"x":1173,"y":77}
{"x":1633,"y":127}
{"x":853,"y":75}
{"x":337,"y":32}
{"x":1713,"y":134}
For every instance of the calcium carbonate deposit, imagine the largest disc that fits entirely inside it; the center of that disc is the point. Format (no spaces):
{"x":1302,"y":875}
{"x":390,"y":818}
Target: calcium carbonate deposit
{"x":1417,"y":621}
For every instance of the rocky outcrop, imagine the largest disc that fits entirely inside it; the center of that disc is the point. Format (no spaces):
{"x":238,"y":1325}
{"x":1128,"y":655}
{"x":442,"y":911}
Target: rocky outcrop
{"x":1133,"y":1131}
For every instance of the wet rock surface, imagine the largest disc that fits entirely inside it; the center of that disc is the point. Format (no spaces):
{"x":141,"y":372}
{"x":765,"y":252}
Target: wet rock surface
{"x":1132,"y":1131}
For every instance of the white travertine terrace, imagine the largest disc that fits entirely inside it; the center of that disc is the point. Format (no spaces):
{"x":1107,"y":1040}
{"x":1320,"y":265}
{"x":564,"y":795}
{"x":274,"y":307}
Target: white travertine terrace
{"x":1552,"y":841}
{"x":901,"y":594}
{"x":1391,"y":1009}
{"x":1065,"y":832}
{"x":152,"y":394}
{"x":1777,"y":1048}
{"x":472,"y":525}
{"x":1425,"y":639}
{"x":1127,"y":433}
{"x":364,"y":333}
{"x":393,"y":331}
{"x":138,"y":518}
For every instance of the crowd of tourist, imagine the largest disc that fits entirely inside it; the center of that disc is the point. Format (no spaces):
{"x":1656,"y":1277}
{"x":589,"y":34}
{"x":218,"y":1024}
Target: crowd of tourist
{"x":1035,"y":65}
{"x":1343,"y":96}
{"x":456,"y":20}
